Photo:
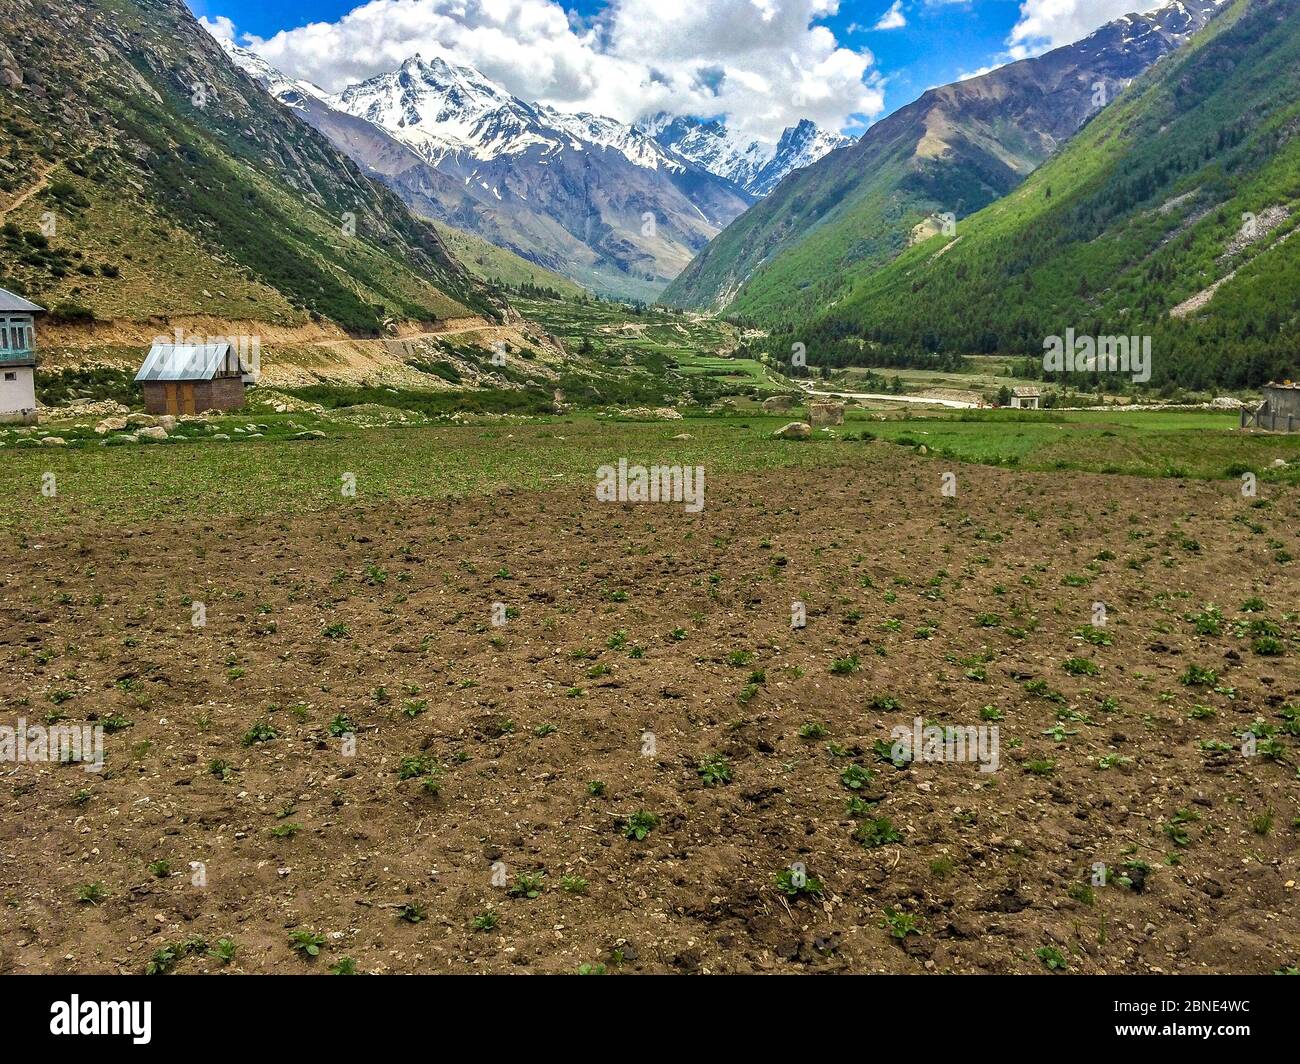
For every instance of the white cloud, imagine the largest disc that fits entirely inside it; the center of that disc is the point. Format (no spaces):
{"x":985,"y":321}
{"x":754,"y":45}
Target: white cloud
{"x":894,"y":18}
{"x":220,"y":27}
{"x":1045,"y":24}
{"x":764,"y":64}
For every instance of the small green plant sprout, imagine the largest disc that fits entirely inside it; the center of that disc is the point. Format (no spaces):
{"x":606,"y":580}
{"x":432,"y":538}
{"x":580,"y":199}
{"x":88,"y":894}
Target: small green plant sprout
{"x":486,"y":921}
{"x":795,"y":880}
{"x":1052,"y":958}
{"x":714,"y":770}
{"x":344,"y":966}
{"x":91,"y":893}
{"x":527,"y":885}
{"x":286,"y":831}
{"x":115,"y":722}
{"x":855,"y":777}
{"x":543,"y":730}
{"x":223,"y":950}
{"x":1081,"y":667}
{"x":899,"y":925}
{"x":1040,"y":767}
{"x":813,"y":730}
{"x":308,"y":943}
{"x":878,"y":831}
{"x":592,"y":969}
{"x":991,"y":713}
{"x":1108,"y":761}
{"x":1262,"y":823}
{"x":160,"y":869}
{"x":1176,"y":829}
{"x":639,"y":825}
{"x":163,"y":960}
{"x":261,"y":732}
{"x":410,"y":768}
{"x":1209,"y":621}
{"x":573,"y":884}
{"x":341,"y":725}
{"x":412,"y":914}
{"x":1098,"y":637}
{"x":844,"y":666}
{"x":596,"y":788}
{"x":858,"y":807}
{"x":897,"y":754}
{"x":1196,"y":676}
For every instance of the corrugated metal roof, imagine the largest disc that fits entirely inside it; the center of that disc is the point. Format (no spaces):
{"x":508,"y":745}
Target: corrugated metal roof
{"x":183,"y":362}
{"x":15,"y":304}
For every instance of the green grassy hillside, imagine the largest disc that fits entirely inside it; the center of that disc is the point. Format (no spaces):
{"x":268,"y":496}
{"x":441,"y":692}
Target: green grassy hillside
{"x":141,"y":175}
{"x":953,"y":151}
{"x":501,"y":267}
{"x":1190,"y":182}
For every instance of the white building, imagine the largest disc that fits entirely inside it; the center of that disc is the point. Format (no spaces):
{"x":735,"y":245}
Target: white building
{"x":17,"y":359}
{"x":1025,"y":398}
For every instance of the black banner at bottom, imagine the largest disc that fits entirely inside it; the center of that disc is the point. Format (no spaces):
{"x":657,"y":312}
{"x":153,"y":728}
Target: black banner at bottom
{"x":141,"y":1014}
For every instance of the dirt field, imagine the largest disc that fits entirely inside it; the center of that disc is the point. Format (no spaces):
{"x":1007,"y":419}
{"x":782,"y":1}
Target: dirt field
{"x":641,"y":640}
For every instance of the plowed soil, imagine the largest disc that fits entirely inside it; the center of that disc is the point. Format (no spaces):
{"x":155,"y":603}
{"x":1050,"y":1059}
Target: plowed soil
{"x":639,"y":640}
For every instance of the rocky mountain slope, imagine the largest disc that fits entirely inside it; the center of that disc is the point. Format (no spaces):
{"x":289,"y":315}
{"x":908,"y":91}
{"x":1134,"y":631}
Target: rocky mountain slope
{"x":585,"y":196}
{"x":953,"y":151}
{"x":143,"y":176}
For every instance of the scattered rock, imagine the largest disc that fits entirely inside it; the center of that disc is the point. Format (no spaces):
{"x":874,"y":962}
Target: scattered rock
{"x":822,"y":414}
{"x":796,"y":430}
{"x":152,"y":432}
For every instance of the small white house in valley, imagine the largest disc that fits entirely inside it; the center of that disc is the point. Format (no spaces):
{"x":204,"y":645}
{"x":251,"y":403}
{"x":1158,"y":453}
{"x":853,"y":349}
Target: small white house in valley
{"x":1026,"y":397}
{"x":17,"y":359}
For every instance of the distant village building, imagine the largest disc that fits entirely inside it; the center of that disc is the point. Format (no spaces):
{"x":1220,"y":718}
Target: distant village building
{"x":191,"y":378}
{"x":17,"y":359}
{"x":1025,"y":397}
{"x":1279,"y":410}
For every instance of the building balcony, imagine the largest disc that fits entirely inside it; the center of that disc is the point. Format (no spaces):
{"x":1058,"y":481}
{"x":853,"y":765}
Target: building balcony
{"x":17,"y":356}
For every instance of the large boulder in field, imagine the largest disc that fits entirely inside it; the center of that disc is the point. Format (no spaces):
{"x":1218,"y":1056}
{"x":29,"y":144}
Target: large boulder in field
{"x":778,"y":404}
{"x":796,"y":430}
{"x":110,"y":424}
{"x":822,"y":414}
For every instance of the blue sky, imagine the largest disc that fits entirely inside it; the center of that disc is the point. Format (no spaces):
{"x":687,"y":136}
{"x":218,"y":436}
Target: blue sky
{"x":932,"y":42}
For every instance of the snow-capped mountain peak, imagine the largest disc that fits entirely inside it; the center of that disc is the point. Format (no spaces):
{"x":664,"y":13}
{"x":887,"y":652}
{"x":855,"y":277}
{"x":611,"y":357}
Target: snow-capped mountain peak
{"x":287,"y":90}
{"x":442,"y":109}
{"x":754,"y":166}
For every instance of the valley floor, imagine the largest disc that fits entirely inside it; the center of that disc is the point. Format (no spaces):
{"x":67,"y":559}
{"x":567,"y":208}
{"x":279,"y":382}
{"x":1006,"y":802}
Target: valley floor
{"x":647,"y":653}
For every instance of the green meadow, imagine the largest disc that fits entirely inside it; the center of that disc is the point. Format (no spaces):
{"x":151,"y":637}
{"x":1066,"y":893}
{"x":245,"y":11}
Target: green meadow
{"x":275,"y":474}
